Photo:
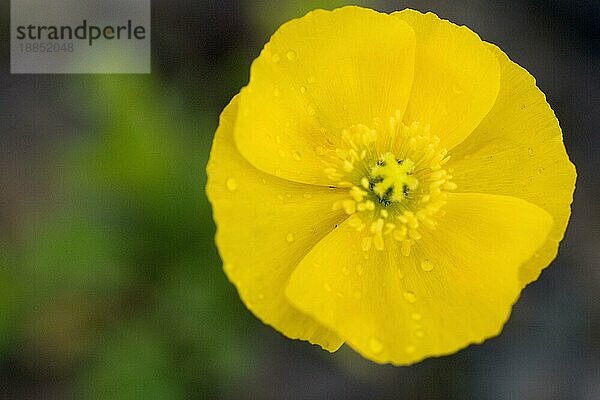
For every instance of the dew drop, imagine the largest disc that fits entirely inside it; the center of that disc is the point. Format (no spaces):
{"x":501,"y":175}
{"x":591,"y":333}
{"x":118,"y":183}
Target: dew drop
{"x":291,"y":55}
{"x":278,"y":172}
{"x":290,"y":237}
{"x":310,"y":79}
{"x":261,"y":296}
{"x":376,"y":345}
{"x":228,"y":267}
{"x":456,"y":89}
{"x":264,"y":181}
{"x":307,"y":196}
{"x":297,"y":156}
{"x":410,"y":349}
{"x":530,"y":151}
{"x":310,"y":110}
{"x":275,"y":58}
{"x":302,"y":89}
{"x":281,"y":153}
{"x":400,"y":274}
{"x":327,"y":287}
{"x":419,"y":334}
{"x":409,"y":296}
{"x":232,"y":185}
{"x":426,"y":265}
{"x":540,"y":171}
{"x":276,"y":92}
{"x":345,"y":270}
{"x":416,"y":316}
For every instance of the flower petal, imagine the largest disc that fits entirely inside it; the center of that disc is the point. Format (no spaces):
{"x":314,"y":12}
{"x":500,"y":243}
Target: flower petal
{"x":456,"y":77}
{"x":518,"y":151}
{"x":265,"y":225}
{"x":395,"y":309}
{"x":318,"y":75}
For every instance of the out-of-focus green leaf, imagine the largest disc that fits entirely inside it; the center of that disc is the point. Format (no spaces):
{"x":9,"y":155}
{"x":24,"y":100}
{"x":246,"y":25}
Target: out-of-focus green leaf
{"x":205,"y":316}
{"x":10,"y":293}
{"x":133,"y":364}
{"x":72,"y":252}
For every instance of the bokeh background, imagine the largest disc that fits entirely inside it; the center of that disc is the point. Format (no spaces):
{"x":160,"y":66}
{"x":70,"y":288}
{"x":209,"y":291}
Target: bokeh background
{"x":111,"y":286}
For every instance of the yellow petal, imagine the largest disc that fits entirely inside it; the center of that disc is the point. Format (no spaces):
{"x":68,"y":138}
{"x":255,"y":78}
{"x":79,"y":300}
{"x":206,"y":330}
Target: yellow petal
{"x":320,"y":74}
{"x":456,"y":77}
{"x":456,"y":288}
{"x":518,"y":151}
{"x":265,"y":225}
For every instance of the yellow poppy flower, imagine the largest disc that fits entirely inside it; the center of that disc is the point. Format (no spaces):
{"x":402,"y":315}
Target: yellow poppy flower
{"x":391,"y":182}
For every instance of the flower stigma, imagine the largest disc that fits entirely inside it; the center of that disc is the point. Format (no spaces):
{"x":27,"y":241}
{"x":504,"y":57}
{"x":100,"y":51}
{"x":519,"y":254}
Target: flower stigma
{"x":395,"y":178}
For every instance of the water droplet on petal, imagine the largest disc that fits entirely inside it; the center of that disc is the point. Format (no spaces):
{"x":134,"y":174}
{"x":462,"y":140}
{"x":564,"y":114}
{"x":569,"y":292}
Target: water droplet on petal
{"x":290,"y":237}
{"x":540,"y":171}
{"x":291,"y":55}
{"x":307,"y":196}
{"x":231,"y":184}
{"x":376,"y":345}
{"x":409,"y":296}
{"x":419,"y":333}
{"x":400,"y":274}
{"x":530,"y":151}
{"x":261,"y":296}
{"x":297,"y":156}
{"x":276,"y":92}
{"x":416,"y":316}
{"x":426,"y":265}
{"x":310,"y":110}
{"x":327,"y":287}
{"x":275,"y":58}
{"x":345,"y":270}
{"x":302,"y":89}
{"x":228,"y":267}
{"x":311,"y":79}
{"x":410,"y":349}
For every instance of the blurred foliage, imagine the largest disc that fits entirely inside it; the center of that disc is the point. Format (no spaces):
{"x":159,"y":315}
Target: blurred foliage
{"x":123,"y":277}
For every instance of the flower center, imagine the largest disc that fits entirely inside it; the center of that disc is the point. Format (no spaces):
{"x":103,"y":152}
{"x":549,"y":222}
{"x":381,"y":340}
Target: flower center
{"x":396,"y":180}
{"x":391,"y":179}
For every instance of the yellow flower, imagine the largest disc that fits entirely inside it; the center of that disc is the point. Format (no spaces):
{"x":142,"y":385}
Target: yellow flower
{"x":387,"y":181}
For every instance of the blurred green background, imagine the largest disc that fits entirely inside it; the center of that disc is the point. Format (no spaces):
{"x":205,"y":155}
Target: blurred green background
{"x":110,"y":283}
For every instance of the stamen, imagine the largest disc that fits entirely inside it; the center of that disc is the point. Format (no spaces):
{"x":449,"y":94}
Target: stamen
{"x":396,"y":180}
